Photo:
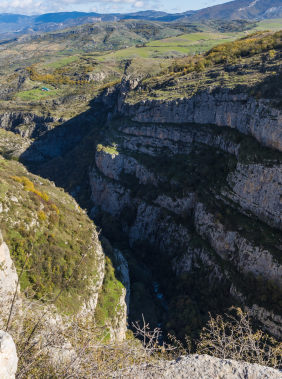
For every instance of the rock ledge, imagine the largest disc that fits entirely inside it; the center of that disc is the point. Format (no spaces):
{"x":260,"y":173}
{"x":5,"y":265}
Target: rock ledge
{"x":202,"y":367}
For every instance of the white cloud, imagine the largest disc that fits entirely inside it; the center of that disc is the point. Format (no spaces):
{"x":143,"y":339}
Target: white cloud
{"x":96,"y":1}
{"x":37,"y":7}
{"x":138,"y":4}
{"x":30,"y":6}
{"x":115,"y":7}
{"x":48,"y":6}
{"x":176,"y":9}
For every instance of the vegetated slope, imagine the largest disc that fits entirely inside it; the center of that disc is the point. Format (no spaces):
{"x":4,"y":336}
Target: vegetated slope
{"x":41,"y":220}
{"x":60,"y":20}
{"x":241,"y":9}
{"x":97,"y":32}
{"x":250,"y":64}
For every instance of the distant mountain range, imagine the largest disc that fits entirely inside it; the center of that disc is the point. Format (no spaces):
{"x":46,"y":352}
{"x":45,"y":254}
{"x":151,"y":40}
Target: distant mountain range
{"x":233,"y":10}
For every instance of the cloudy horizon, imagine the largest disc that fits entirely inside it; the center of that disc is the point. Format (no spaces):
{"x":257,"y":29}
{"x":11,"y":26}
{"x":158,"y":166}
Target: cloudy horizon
{"x":37,"y":7}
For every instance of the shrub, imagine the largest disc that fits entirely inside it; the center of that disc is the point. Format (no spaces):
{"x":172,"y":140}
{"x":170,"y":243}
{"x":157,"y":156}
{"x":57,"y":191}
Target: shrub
{"x":29,"y":186}
{"x":54,"y":208}
{"x":235,"y":339}
{"x":41,"y":215}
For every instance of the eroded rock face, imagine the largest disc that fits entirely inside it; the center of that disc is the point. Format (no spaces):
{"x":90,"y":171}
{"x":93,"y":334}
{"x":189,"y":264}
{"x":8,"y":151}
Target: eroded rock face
{"x":178,"y":139}
{"x":179,"y":206}
{"x":26,"y":124}
{"x":112,"y":165}
{"x":8,"y":356}
{"x":215,"y":107}
{"x":8,"y":278}
{"x":259,"y":189}
{"x":152,"y":223}
{"x":271,"y":322}
{"x":201,"y":367}
{"x":8,"y":286}
{"x":232,"y":247}
{"x":97,"y":282}
{"x":173,"y":216}
{"x":148,"y":222}
{"x":97,"y":76}
{"x":118,"y":324}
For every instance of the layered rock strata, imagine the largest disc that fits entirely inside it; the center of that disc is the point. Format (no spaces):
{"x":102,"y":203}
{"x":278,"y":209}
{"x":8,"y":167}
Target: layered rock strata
{"x":253,"y":189}
{"x":216,"y":107}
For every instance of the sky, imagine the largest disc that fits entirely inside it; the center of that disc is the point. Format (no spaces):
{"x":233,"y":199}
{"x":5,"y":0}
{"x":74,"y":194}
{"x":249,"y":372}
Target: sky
{"x":30,"y":7}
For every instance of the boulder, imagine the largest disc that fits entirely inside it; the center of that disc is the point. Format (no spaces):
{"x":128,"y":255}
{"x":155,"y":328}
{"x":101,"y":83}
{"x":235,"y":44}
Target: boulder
{"x":8,"y":356}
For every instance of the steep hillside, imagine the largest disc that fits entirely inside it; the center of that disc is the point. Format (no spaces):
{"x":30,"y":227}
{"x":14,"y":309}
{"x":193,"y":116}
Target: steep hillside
{"x":41,"y":220}
{"x":34,"y":216}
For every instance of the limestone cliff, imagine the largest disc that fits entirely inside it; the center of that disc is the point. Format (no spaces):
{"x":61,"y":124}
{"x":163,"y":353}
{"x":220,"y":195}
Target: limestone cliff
{"x":27,"y":124}
{"x":212,"y":123}
{"x":258,"y":188}
{"x":218,"y":107}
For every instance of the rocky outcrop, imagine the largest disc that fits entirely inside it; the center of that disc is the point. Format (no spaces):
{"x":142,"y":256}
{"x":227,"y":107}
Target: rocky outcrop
{"x":234,"y":248}
{"x":147,"y":222}
{"x":178,"y":139}
{"x":181,"y":206}
{"x":110,"y":197}
{"x":112,"y":165}
{"x":97,"y":76}
{"x":109,"y":96}
{"x":271,"y":322}
{"x":12,"y":145}
{"x":118,"y":324}
{"x":150,"y":223}
{"x":123,"y":269}
{"x":216,"y":107}
{"x":8,"y":280}
{"x":8,"y":356}
{"x":8,"y":287}
{"x":27,"y":124}
{"x":97,"y":282}
{"x":33,"y":130}
{"x":258,"y":188}
{"x":202,"y":367}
